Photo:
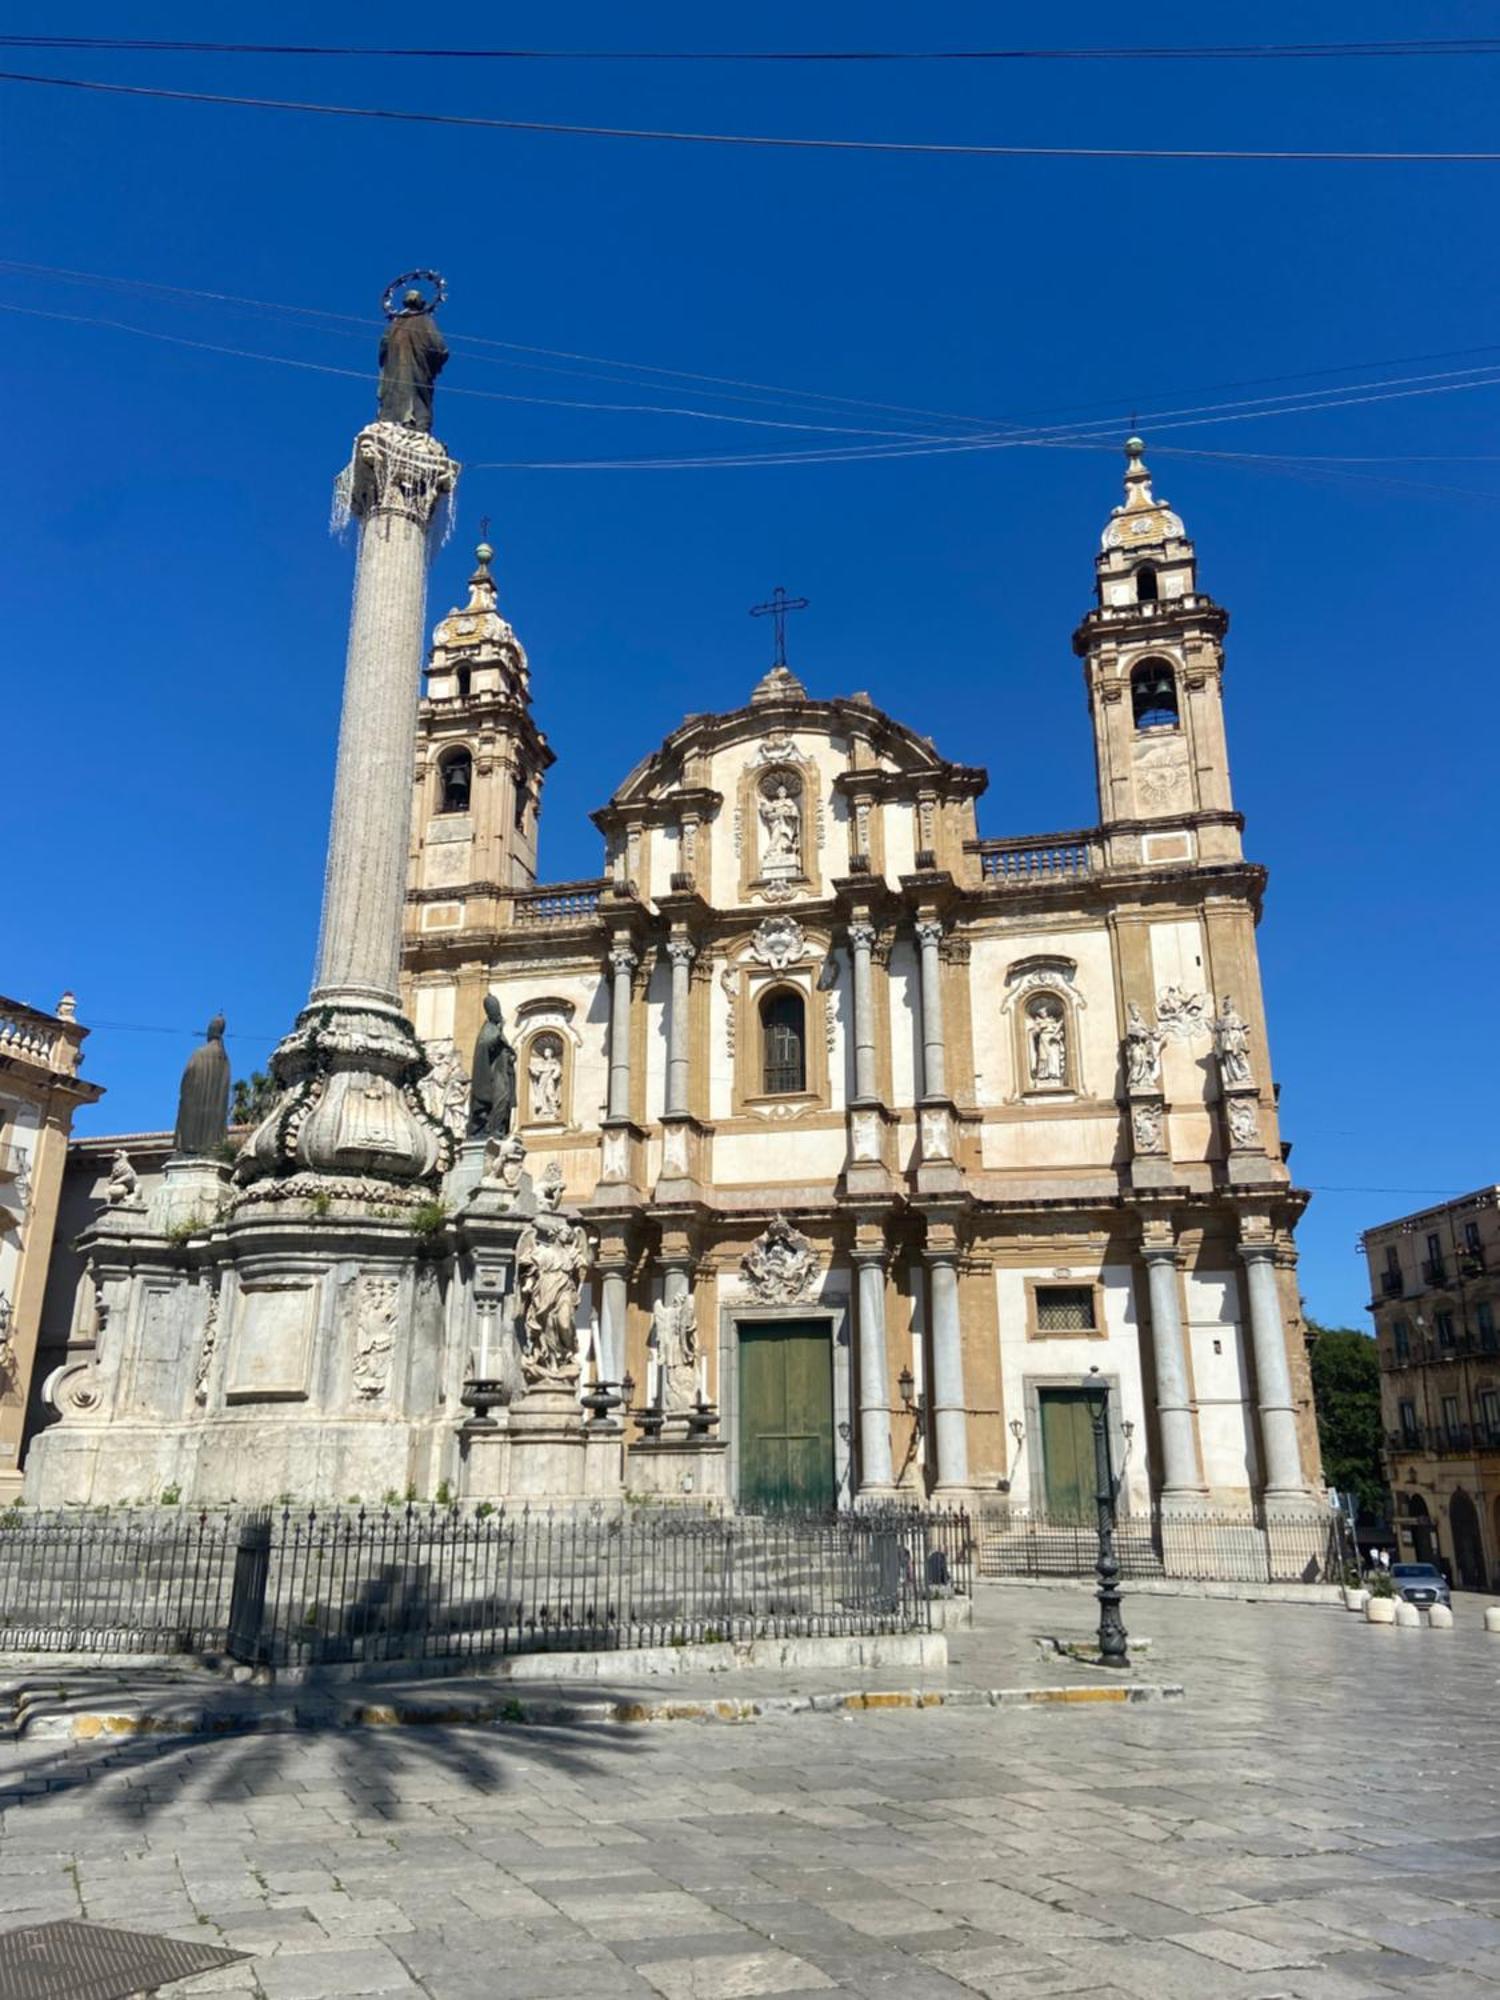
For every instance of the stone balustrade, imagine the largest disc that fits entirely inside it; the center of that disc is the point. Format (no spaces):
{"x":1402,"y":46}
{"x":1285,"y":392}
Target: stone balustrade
{"x":34,"y":1038}
{"x":1036,"y":859}
{"x":559,"y":902}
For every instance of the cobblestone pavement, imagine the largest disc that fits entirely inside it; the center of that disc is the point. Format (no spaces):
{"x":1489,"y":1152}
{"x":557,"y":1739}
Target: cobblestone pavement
{"x":1318,"y":1819}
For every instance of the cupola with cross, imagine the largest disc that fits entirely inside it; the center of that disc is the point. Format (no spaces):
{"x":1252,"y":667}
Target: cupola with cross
{"x":1153,"y":659}
{"x":480,"y":755}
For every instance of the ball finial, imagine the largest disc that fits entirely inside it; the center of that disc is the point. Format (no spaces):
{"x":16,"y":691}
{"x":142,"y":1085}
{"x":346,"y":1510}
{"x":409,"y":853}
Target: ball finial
{"x":1134,"y":446}
{"x":484,"y":553}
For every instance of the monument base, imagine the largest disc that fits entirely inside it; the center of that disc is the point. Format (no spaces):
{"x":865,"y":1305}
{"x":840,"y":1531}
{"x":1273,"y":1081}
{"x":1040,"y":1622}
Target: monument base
{"x":541,"y":1452}
{"x":690,"y":1471}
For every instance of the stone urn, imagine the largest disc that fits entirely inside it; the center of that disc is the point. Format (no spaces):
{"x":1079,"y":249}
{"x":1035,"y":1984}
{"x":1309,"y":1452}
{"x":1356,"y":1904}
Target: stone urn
{"x":1380,"y":1610}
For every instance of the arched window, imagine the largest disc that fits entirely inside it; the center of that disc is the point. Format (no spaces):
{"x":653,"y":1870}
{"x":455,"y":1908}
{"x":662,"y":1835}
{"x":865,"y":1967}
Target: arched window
{"x":455,"y":777}
{"x":1153,"y":695}
{"x":1145,"y":584}
{"x":783,"y":1035}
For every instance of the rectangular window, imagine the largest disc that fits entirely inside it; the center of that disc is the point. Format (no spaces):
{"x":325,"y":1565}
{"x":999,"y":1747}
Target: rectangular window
{"x":1392,"y":1257}
{"x":1471,"y":1236}
{"x":1409,"y":1422}
{"x":1445,"y":1329}
{"x":1401,"y":1334}
{"x":1434,"y":1249}
{"x":1489,"y":1409}
{"x":1450,"y":1418}
{"x":1065,"y":1309}
{"x":1484,"y":1315}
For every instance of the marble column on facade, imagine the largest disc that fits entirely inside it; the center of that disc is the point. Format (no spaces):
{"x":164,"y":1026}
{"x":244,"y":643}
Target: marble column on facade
{"x":934,"y":1047}
{"x":875,"y":1477}
{"x":622,"y":963}
{"x":351,"y":1065}
{"x":1280,"y":1446}
{"x":612,"y":1272}
{"x":862,"y":949}
{"x":681,"y":953}
{"x":950,"y":1415}
{"x":1181,"y":1484}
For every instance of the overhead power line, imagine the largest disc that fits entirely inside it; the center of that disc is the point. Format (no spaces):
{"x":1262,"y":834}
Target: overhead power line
{"x":1463,"y":45}
{"x":769,"y":141}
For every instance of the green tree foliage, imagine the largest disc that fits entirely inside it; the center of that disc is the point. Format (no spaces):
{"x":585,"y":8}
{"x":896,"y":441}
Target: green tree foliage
{"x":251,"y":1098}
{"x":1346,"y":1394}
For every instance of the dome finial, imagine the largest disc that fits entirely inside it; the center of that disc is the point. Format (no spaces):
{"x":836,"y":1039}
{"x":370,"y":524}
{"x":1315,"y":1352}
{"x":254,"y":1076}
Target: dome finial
{"x":1137,"y":478}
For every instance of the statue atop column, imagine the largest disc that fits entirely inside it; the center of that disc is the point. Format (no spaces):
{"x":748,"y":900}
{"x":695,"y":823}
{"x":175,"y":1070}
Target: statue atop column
{"x":412,"y":352}
{"x":492,"y":1089}
{"x":203,"y":1100}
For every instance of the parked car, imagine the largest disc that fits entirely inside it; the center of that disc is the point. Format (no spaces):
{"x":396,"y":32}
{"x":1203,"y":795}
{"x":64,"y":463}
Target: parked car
{"x":1420,"y":1583}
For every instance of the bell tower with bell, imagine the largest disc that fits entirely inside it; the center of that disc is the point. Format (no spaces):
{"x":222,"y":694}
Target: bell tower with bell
{"x":1153,"y":654}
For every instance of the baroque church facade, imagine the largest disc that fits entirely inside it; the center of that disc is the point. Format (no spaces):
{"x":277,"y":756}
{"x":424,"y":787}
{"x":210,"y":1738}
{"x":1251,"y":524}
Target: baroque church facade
{"x":919,"y":1130}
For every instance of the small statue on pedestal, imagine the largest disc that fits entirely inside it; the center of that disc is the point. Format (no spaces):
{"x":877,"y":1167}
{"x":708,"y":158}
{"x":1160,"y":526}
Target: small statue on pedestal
{"x":203,"y":1100}
{"x":674,"y":1333}
{"x":412,"y":355}
{"x":492,"y":1088}
{"x":1232,"y":1038}
{"x":120,"y":1190}
{"x":552,"y":1257}
{"x":1142,"y":1052}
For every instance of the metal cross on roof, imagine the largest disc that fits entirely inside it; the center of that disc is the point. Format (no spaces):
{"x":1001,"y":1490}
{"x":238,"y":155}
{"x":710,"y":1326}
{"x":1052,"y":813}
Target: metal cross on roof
{"x":776,"y":608}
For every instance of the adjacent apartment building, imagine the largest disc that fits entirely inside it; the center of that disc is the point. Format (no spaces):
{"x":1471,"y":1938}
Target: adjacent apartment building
{"x":1435,"y":1295}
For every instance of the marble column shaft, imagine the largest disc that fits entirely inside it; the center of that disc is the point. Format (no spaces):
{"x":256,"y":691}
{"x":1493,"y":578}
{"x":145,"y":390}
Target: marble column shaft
{"x":862,"y":945}
{"x":1173,"y":1406}
{"x":622,"y":964}
{"x":1273,"y":1378}
{"x":934,"y":1048}
{"x":613,"y":1303}
{"x":949,"y":1405}
{"x":681,"y":954}
{"x":874,"y":1391}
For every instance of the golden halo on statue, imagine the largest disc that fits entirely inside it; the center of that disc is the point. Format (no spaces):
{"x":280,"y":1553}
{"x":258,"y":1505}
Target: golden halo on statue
{"x":434,"y":279}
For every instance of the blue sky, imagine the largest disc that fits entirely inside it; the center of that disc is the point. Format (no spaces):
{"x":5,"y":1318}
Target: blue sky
{"x":177,"y":610}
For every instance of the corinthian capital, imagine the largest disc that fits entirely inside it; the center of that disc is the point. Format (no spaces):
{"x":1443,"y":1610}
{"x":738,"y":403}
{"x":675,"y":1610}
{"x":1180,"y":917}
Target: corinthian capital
{"x":929,"y":931}
{"x":862,"y":935}
{"x":622,"y":959}
{"x":681,"y":951}
{"x":394,"y":471}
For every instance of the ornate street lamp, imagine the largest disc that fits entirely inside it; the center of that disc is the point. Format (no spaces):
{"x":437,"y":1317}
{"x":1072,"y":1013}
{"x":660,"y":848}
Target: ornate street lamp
{"x":1112,"y":1652}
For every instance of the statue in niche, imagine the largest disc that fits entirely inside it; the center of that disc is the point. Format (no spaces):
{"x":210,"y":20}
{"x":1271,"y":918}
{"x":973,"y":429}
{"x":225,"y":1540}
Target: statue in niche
{"x":120,"y":1190}
{"x":545,"y":1071}
{"x":674,"y":1333}
{"x":1232,"y":1039}
{"x":552,"y":1257}
{"x":781,"y":847}
{"x":1047,"y":1044}
{"x":492,"y":1088}
{"x":1142,"y":1051}
{"x":412,"y":356}
{"x":203,"y":1099}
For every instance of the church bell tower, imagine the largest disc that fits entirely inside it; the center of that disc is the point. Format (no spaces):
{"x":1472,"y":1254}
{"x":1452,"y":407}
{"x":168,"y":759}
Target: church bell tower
{"x":1153,"y":657}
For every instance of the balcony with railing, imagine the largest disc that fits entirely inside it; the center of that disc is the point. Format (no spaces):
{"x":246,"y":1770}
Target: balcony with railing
{"x":1435,"y":1273}
{"x":560,"y":903}
{"x":1435,"y":1351}
{"x":1445,"y":1440}
{"x":1392,"y":1284}
{"x":1037,"y":860}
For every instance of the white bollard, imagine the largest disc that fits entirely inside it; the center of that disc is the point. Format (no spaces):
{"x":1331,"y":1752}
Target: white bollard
{"x":1407,"y":1615}
{"x":1380,"y":1611}
{"x":1492,"y":1618}
{"x":1440,"y":1618}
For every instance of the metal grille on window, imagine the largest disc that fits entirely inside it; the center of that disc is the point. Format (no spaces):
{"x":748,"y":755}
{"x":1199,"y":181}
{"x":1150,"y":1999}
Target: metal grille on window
{"x":1065,"y":1308}
{"x":783,"y":1020}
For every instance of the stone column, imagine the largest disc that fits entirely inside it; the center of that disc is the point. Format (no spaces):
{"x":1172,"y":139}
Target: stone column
{"x":875,"y":1481}
{"x":862,"y":946}
{"x":1278,"y":1410}
{"x":1179,"y":1452}
{"x":623,"y":962}
{"x":395,"y":482}
{"x":934,"y":1048}
{"x":949,"y":1406}
{"x":681,"y":953}
{"x":614,"y":1299}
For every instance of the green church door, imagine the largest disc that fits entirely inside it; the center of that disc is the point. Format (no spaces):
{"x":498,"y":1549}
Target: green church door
{"x":786,"y":1415}
{"x":1067,"y":1454}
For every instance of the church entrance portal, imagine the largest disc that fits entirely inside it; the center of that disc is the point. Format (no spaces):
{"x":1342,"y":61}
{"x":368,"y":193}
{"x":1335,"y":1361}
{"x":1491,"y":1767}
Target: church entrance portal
{"x":1067,"y":1454}
{"x":786,"y":1414}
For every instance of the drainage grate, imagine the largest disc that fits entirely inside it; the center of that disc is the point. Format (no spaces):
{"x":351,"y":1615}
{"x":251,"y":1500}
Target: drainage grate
{"x":75,"y":1961}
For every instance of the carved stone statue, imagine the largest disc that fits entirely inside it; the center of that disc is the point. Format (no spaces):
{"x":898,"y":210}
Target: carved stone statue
{"x":545,"y":1070}
{"x":445,"y":1088}
{"x":1145,"y":1121}
{"x":781,"y":850}
{"x":1232,"y":1039}
{"x":203,"y":1100}
{"x":1142,"y":1051}
{"x":412,"y":356}
{"x":1047,"y":1043}
{"x":552,"y":1257}
{"x":120,"y":1188}
{"x":492,"y":1088}
{"x":1244,"y":1126}
{"x":674,"y":1332}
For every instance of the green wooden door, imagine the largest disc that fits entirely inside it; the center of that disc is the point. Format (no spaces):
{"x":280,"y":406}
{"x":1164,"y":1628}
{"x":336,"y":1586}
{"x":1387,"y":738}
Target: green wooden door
{"x":786,"y":1414}
{"x":1067,"y":1454}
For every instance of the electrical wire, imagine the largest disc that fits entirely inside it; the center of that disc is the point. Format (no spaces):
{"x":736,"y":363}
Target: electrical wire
{"x":771,"y":142}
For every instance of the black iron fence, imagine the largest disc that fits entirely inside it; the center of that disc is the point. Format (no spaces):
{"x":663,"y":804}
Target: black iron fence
{"x":301,"y":1588}
{"x":1253,"y":1545}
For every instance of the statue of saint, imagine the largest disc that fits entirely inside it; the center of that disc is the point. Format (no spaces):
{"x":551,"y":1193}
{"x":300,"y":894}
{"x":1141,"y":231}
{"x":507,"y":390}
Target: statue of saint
{"x":782,"y":822}
{"x":412,"y":356}
{"x":1047,"y":1039}
{"x":492,"y":1089}
{"x":546,"y":1073}
{"x":1233,"y":1039}
{"x":551,"y":1259}
{"x":203,"y":1100}
{"x":674,"y":1332}
{"x":1142,"y":1052}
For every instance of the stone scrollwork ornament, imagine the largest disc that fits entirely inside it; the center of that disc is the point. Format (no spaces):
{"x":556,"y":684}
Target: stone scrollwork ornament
{"x":780,"y":1266}
{"x":778,"y":943}
{"x":1146,"y":1127}
{"x":1244,"y":1125}
{"x":1181,"y":1014}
